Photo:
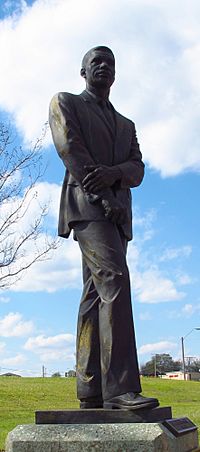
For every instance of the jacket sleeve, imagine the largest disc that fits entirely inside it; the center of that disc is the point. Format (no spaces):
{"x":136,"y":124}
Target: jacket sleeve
{"x":132,"y":170}
{"x":67,"y":136}
{"x":69,"y":142}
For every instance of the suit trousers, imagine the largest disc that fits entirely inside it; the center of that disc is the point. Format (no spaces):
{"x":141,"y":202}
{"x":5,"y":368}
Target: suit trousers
{"x":107,"y":363}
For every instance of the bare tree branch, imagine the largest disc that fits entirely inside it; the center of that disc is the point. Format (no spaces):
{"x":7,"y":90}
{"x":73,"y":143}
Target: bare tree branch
{"x":20,"y":172}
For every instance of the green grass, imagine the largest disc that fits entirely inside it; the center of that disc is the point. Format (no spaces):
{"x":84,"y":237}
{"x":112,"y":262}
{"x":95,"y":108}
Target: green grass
{"x":21,"y":397}
{"x":182,"y":396}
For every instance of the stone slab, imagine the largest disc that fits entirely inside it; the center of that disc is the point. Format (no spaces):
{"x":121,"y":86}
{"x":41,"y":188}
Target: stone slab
{"x":143,"y":437}
{"x":102,"y":416}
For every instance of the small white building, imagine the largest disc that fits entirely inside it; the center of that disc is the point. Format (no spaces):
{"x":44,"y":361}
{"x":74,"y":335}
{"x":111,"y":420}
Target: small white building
{"x":179,"y":375}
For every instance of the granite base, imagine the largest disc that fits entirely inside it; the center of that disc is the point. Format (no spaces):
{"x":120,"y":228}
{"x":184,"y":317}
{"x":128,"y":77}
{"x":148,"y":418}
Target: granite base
{"x":135,"y":437}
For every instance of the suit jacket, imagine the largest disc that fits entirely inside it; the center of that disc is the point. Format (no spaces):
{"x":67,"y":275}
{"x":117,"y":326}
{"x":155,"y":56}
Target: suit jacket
{"x":82,"y":136}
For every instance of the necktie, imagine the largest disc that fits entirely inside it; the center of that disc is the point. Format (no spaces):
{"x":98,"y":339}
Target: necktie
{"x":104,"y":105}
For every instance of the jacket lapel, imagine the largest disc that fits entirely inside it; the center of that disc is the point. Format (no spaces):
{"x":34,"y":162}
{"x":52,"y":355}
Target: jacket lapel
{"x":118,"y":144}
{"x":97,"y":110}
{"x":120,"y":136}
{"x":119,"y":125}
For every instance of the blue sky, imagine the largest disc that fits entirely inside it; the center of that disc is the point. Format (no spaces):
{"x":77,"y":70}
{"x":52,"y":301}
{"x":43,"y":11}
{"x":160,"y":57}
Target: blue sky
{"x":157,"y":49}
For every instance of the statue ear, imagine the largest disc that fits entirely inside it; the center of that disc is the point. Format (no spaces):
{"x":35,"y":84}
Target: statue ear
{"x":82,"y":72}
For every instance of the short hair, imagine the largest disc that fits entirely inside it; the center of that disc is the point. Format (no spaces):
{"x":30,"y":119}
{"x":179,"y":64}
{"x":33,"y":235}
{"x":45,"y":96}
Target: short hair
{"x":98,"y":48}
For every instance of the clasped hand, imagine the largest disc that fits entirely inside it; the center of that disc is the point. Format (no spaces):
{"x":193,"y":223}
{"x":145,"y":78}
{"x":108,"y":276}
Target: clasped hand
{"x":114,"y":211}
{"x":99,"y":177}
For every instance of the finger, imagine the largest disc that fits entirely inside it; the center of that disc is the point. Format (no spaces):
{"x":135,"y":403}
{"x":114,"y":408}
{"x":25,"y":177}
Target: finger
{"x":94,"y":182}
{"x":93,"y":188}
{"x":90,"y":177}
{"x":90,"y":167}
{"x":113,"y":215}
{"x":93,"y":177}
{"x":108,"y":214}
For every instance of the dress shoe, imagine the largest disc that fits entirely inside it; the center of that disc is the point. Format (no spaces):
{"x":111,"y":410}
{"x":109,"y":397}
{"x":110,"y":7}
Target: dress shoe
{"x":131,"y":401}
{"x":91,"y":402}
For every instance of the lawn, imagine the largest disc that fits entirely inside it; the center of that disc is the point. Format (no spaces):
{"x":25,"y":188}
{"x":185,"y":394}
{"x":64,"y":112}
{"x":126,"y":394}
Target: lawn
{"x":21,"y":397}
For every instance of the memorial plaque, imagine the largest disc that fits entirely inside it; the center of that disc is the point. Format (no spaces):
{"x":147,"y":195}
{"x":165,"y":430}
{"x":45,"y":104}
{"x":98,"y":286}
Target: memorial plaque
{"x":180,"y":426}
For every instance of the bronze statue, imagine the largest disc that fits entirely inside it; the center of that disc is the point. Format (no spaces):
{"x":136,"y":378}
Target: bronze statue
{"x":100,"y":151}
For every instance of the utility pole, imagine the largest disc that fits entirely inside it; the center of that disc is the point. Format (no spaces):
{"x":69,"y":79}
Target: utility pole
{"x":43,"y":371}
{"x":189,"y":358}
{"x":183,"y":356}
{"x":183,"y":351}
{"x":155,"y":367}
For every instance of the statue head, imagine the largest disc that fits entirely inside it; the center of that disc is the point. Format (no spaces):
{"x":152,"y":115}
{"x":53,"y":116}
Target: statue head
{"x":98,"y":67}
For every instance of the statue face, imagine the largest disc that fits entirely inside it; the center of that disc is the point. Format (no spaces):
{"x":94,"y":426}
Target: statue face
{"x":99,"y":70}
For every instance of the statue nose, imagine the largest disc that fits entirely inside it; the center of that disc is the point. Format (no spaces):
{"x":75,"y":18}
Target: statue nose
{"x":104,"y":64}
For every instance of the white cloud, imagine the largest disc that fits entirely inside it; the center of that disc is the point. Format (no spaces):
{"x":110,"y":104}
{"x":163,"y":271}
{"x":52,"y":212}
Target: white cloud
{"x":47,"y":194}
{"x":151,"y":282}
{"x":44,"y":275}
{"x":154,"y":288}
{"x":183,"y":279}
{"x":157,"y":347}
{"x":42,"y":194}
{"x":160,"y":47}
{"x":40,"y":342}
{"x":145,"y":223}
{"x":39,"y":73}
{"x":2,"y":346}
{"x":62,"y":268}
{"x":14,"y":360}
{"x":164,"y":147}
{"x":13,"y":325}
{"x":58,"y":355}
{"x":188,"y":310}
{"x":62,"y":271}
{"x":151,"y":286}
{"x":145,"y":316}
{"x":52,"y":348}
{"x":4,"y":299}
{"x":174,"y":253}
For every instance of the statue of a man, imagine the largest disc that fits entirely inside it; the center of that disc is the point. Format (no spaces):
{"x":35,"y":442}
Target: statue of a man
{"x":100,"y":151}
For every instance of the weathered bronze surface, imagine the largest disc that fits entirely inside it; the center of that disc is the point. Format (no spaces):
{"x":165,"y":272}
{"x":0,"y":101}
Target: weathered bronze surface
{"x":102,"y":416}
{"x":99,"y":148}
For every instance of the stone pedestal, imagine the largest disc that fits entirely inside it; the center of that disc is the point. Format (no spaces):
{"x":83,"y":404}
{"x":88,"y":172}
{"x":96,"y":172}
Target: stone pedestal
{"x":123,"y":437}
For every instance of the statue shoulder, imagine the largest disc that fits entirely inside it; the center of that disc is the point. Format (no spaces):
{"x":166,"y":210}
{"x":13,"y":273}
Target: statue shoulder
{"x":63,"y":98}
{"x":126,"y":121}
{"x":63,"y":102}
